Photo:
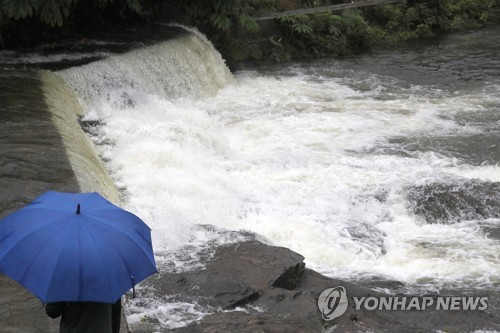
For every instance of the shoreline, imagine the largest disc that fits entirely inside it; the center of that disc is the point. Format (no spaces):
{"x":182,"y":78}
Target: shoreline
{"x":254,"y":287}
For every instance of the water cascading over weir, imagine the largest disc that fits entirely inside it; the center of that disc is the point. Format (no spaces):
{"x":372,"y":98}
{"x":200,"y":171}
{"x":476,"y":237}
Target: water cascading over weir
{"x":263,"y":189}
{"x":187,"y":66}
{"x":184,"y":66}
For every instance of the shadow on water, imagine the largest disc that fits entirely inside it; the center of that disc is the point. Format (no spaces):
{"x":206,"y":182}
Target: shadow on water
{"x":75,"y":52}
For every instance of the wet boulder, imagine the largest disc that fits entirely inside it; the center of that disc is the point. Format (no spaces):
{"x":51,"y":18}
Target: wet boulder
{"x":455,"y":201}
{"x":254,"y":287}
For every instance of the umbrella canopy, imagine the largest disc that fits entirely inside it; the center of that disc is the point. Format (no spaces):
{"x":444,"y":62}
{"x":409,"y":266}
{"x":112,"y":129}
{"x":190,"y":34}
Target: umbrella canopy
{"x":75,"y":247}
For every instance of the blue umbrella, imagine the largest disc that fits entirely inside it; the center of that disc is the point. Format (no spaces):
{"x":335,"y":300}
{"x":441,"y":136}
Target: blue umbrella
{"x":75,"y":247}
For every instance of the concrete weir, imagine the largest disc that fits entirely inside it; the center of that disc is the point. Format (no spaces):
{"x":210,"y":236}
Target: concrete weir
{"x":34,"y":164}
{"x":43,"y":147}
{"x":38,"y":146}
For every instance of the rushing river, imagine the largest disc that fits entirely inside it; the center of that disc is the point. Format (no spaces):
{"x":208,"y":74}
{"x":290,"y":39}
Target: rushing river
{"x":345,"y":162}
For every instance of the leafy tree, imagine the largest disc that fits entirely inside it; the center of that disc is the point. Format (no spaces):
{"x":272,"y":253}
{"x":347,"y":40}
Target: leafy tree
{"x":234,"y":31}
{"x":469,"y":13}
{"x":230,"y":24}
{"x":50,"y":12}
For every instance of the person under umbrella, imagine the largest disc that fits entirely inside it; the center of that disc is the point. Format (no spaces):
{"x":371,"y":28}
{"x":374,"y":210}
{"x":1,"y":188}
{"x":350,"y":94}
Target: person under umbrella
{"x":86,"y":316}
{"x":75,"y":252}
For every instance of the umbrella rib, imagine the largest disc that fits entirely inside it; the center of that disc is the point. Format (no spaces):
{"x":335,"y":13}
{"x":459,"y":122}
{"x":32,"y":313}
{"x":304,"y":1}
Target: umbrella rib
{"x":121,"y":231}
{"x":56,"y":221}
{"x":33,"y":259}
{"x":134,"y":279}
{"x":123,"y":211}
{"x":101,"y":253}
{"x":134,"y":243}
{"x":35,"y":207}
{"x":49,"y":286}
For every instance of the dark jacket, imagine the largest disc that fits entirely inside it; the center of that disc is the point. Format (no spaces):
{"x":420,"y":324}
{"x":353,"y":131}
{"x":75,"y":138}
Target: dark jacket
{"x":86,"y":317}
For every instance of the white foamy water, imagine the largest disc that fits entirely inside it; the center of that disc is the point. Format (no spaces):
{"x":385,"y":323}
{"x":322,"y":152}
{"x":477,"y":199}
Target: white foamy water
{"x":286,"y":158}
{"x":292,"y":157}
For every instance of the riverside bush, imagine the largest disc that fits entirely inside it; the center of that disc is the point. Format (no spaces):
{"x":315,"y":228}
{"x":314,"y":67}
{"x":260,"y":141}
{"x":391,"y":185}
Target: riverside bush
{"x":234,"y":31}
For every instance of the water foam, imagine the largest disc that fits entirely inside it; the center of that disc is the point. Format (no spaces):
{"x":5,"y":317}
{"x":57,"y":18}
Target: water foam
{"x":179,"y":67}
{"x":291,"y":157}
{"x":291,"y":165}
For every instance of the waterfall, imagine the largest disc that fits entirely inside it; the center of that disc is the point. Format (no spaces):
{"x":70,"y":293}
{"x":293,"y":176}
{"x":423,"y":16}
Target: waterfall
{"x":187,"y":66}
{"x":180,"y":67}
{"x":335,"y":160}
{"x":65,"y":110}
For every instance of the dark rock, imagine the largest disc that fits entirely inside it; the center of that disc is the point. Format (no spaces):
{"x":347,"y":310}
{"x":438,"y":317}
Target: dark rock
{"x":429,"y":320}
{"x":242,"y":322}
{"x":236,"y":275}
{"x":457,"y":201}
{"x":258,"y":265}
{"x":253,"y":287}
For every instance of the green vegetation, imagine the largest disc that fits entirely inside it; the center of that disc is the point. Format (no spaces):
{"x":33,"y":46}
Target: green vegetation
{"x":327,"y":34}
{"x":54,"y":12}
{"x":355,"y":31}
{"x":25,"y":23}
{"x":420,"y":19}
{"x":233,"y":29}
{"x":229,"y":24}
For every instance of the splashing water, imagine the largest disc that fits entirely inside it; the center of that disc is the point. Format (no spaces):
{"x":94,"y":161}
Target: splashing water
{"x":315,"y":157}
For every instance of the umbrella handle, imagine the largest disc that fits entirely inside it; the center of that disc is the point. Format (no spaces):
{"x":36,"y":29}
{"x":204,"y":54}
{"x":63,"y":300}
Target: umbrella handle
{"x":132,"y":278}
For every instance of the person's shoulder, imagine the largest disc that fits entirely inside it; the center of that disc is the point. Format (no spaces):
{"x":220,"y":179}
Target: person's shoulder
{"x":55,"y":309}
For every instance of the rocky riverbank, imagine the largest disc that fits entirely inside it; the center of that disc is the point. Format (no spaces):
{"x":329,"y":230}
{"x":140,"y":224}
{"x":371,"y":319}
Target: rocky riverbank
{"x":254,"y":287}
